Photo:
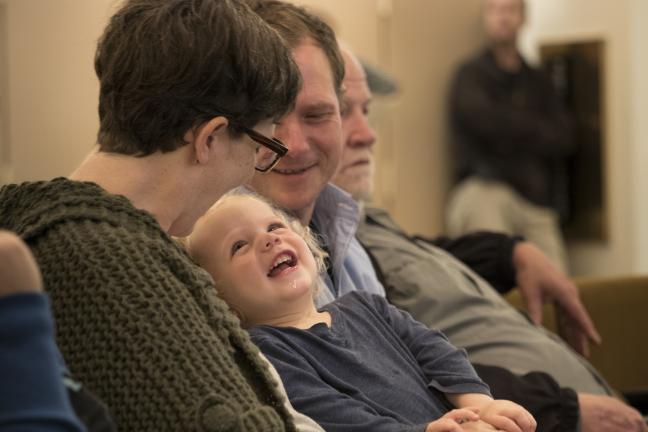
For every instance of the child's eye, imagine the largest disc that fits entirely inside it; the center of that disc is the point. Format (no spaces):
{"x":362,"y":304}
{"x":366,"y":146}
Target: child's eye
{"x":275,"y":226}
{"x":237,"y":246}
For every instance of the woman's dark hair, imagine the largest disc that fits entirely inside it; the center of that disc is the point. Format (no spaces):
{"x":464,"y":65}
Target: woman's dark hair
{"x":167,"y":66}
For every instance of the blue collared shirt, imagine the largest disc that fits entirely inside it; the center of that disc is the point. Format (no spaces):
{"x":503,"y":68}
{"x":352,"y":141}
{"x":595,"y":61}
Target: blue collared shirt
{"x":336,"y":217}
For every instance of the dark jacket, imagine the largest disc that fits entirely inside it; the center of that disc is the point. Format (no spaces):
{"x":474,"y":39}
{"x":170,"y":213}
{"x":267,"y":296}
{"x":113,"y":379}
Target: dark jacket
{"x":510,"y":127}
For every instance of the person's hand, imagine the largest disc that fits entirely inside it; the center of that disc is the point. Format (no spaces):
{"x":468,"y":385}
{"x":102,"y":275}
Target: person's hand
{"x":608,"y":414}
{"x":507,"y":416}
{"x":539,"y":281}
{"x":452,"y":420}
{"x":18,"y":270}
{"x":477,"y":426}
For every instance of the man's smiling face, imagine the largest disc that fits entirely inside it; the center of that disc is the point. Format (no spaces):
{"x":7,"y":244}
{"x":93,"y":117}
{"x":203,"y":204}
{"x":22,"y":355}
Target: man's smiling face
{"x":313,"y":135}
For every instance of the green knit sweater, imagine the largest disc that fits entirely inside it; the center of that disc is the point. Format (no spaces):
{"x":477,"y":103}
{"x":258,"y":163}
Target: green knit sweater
{"x":137,"y":321}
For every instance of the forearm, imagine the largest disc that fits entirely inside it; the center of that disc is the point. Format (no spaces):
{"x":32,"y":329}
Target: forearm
{"x":31,"y":372}
{"x":465,"y":400}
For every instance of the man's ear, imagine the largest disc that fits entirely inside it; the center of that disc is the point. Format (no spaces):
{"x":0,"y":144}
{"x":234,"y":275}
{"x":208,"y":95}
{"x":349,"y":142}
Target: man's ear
{"x":207,"y":136}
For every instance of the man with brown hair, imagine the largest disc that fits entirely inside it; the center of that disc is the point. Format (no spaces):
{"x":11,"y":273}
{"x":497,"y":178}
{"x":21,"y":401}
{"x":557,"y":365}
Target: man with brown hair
{"x":189,"y":92}
{"x":296,"y":182}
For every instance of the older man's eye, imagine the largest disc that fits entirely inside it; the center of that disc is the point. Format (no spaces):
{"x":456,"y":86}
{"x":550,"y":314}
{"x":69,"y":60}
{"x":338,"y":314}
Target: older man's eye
{"x":237,"y":246}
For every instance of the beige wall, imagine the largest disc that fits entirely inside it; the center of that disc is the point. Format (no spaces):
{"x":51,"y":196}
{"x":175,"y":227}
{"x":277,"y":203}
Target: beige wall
{"x":52,"y":87}
{"x":5,"y":174}
{"x":429,"y":38}
{"x":618,"y":24}
{"x":639,"y":116}
{"x":355,"y":21}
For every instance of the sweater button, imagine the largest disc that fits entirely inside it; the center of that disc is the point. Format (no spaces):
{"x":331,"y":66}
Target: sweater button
{"x":217,"y":414}
{"x":219,"y":418}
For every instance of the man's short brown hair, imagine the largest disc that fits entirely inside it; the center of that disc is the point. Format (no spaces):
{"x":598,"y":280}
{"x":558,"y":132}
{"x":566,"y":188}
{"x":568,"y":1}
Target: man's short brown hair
{"x":295,"y":25}
{"x":167,"y":66}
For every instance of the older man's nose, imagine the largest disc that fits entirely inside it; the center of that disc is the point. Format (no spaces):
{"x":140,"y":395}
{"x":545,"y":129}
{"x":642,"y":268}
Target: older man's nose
{"x":361,"y":134}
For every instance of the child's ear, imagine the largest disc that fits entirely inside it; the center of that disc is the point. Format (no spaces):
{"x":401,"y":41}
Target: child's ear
{"x":207,"y":136}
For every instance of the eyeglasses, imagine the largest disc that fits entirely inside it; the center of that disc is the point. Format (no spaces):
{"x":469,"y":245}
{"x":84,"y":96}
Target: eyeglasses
{"x":267,"y":156}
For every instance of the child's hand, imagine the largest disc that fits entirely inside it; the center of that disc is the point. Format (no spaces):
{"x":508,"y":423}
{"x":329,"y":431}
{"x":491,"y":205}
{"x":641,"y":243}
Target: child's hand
{"x":507,"y":416}
{"x":452,"y":420}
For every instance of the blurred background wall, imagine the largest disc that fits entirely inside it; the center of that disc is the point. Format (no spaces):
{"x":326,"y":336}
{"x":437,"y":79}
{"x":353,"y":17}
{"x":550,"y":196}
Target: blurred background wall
{"x":621,"y":25}
{"x":48,"y":98}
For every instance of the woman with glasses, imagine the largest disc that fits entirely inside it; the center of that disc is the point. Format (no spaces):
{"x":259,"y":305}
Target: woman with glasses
{"x":184,"y":116}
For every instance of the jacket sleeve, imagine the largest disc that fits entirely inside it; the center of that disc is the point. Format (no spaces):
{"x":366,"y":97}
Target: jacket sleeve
{"x":33,"y":396}
{"x":488,"y":254}
{"x":555,"y":408}
{"x":148,"y":335}
{"x":502,"y":127}
{"x":445,"y":366}
{"x":311,"y":395}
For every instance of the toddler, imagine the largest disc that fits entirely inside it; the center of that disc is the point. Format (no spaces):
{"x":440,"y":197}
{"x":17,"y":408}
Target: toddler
{"x":358,"y":363}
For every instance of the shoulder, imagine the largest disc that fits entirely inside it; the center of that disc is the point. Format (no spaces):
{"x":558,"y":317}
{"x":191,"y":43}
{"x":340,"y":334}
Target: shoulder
{"x":38,"y":208}
{"x":357,"y":301}
{"x":285,"y":345}
{"x":266,"y":335}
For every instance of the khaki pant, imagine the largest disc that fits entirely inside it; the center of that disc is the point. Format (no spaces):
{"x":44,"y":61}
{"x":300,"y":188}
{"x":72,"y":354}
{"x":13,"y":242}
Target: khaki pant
{"x":478,"y":205}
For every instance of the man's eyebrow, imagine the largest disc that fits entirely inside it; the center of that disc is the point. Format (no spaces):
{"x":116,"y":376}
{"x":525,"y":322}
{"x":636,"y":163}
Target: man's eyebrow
{"x":323,"y":105}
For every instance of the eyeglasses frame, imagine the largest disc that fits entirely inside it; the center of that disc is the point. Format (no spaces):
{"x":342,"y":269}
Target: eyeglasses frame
{"x":274,"y":144}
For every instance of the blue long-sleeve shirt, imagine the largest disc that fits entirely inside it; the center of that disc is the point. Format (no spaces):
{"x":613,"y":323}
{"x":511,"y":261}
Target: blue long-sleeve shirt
{"x":32,"y":394}
{"x":374,"y":369}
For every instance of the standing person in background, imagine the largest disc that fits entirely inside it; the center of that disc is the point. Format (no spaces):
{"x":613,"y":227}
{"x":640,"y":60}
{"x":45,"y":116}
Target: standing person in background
{"x":510,"y":139}
{"x":189,"y":93}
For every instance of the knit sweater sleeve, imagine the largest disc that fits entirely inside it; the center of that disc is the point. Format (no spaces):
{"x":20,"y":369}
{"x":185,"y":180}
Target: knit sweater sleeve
{"x":33,"y":397}
{"x":146,"y":333}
